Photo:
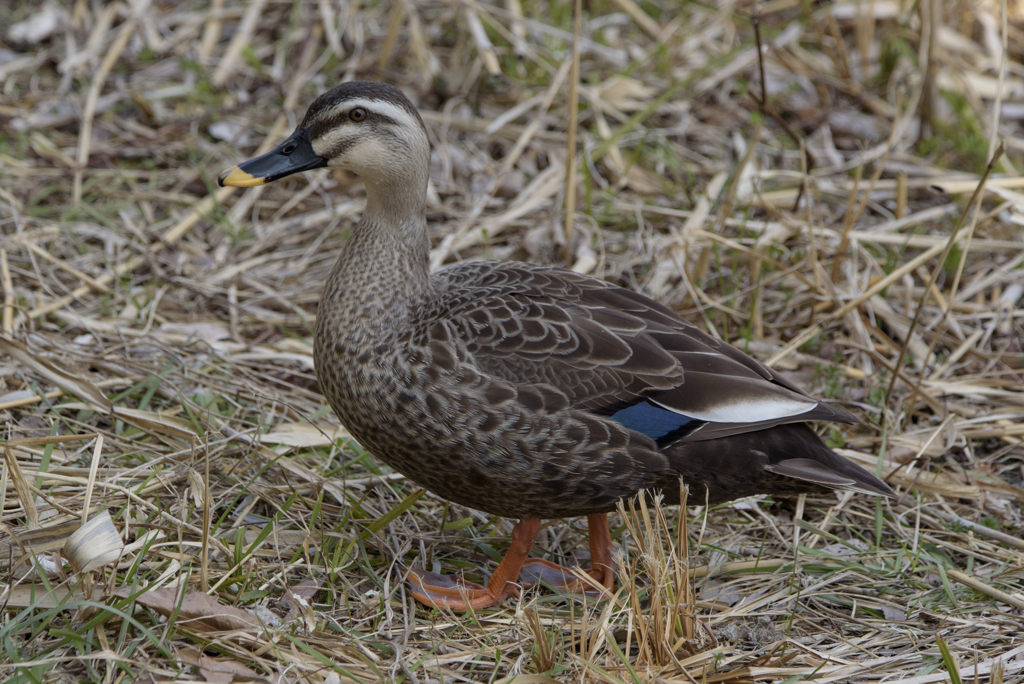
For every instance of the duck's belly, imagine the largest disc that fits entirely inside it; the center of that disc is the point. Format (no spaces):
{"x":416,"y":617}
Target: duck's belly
{"x":501,"y":459}
{"x":455,"y":461}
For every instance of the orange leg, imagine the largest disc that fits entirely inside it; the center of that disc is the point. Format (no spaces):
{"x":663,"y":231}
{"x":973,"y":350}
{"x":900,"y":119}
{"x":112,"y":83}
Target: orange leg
{"x":602,"y":565}
{"x":458,"y":594}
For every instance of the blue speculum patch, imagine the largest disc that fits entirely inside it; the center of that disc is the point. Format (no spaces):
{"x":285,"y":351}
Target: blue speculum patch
{"x":653,"y":421}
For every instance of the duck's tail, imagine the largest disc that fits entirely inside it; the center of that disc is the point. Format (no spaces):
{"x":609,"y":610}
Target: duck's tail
{"x":784,"y":460}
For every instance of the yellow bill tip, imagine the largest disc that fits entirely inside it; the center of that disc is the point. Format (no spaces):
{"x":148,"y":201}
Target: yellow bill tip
{"x":238,"y":178}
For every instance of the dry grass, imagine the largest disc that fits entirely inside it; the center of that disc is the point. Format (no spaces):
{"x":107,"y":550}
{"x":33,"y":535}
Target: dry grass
{"x":157,"y":333}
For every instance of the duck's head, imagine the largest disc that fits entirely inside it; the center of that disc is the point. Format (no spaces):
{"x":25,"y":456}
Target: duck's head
{"x":368,"y":128}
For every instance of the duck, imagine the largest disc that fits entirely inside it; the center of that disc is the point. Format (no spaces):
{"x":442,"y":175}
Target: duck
{"x":527,"y":391}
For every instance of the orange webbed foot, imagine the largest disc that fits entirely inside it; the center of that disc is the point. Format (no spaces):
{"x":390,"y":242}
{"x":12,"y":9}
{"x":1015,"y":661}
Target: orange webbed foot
{"x":565,"y":580}
{"x":537,"y":571}
{"x":443,"y":591}
{"x":439,"y":591}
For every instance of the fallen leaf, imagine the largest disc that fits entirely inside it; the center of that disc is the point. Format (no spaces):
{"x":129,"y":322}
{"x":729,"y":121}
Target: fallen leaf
{"x":219,"y":670}
{"x":40,"y":596}
{"x":199,"y":611}
{"x":147,"y":420}
{"x":198,"y":486}
{"x":304,"y":435}
{"x":224,"y":671}
{"x":40,"y":25}
{"x":38,"y":541}
{"x":624,"y":93}
{"x":208,"y":332}
{"x":894,"y":614}
{"x":94,"y":544}
{"x":300,"y":598}
{"x":643,"y":181}
{"x":71,"y":384}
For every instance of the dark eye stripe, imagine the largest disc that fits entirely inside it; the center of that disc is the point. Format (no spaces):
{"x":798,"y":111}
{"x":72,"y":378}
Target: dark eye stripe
{"x":343,"y":118}
{"x":340,"y":147}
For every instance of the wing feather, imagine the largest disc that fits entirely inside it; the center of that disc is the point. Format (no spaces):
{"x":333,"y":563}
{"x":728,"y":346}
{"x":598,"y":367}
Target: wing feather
{"x":607,"y":348}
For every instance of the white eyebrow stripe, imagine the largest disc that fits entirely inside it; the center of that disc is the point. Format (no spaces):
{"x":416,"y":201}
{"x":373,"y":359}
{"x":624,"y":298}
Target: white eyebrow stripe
{"x":400,"y":114}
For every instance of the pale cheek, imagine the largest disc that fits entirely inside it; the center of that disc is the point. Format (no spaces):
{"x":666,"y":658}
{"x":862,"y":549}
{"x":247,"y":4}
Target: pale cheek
{"x":371,"y":157}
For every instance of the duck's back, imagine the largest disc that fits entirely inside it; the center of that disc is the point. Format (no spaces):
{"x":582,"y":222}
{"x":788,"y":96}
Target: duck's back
{"x":610,"y":351}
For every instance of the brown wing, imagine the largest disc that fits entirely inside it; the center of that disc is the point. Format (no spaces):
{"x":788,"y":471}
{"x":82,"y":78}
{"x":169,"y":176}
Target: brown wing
{"x":607,"y":348}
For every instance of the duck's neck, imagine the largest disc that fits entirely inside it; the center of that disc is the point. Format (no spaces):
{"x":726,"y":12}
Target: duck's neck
{"x":398,"y":201}
{"x":381,"y":275}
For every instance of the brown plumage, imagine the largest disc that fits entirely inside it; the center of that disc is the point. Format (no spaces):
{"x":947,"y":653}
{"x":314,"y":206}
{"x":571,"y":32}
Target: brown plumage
{"x":527,"y":391}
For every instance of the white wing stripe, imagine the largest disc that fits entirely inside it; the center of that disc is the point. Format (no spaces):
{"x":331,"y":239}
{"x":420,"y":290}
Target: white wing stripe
{"x":749,"y":410}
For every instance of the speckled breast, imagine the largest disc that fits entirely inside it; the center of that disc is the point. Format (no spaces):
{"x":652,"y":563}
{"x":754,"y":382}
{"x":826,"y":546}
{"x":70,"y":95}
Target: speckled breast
{"x":445,"y":436}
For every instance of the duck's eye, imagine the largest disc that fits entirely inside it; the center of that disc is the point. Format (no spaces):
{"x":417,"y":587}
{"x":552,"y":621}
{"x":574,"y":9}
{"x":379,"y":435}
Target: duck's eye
{"x":357,"y":114}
